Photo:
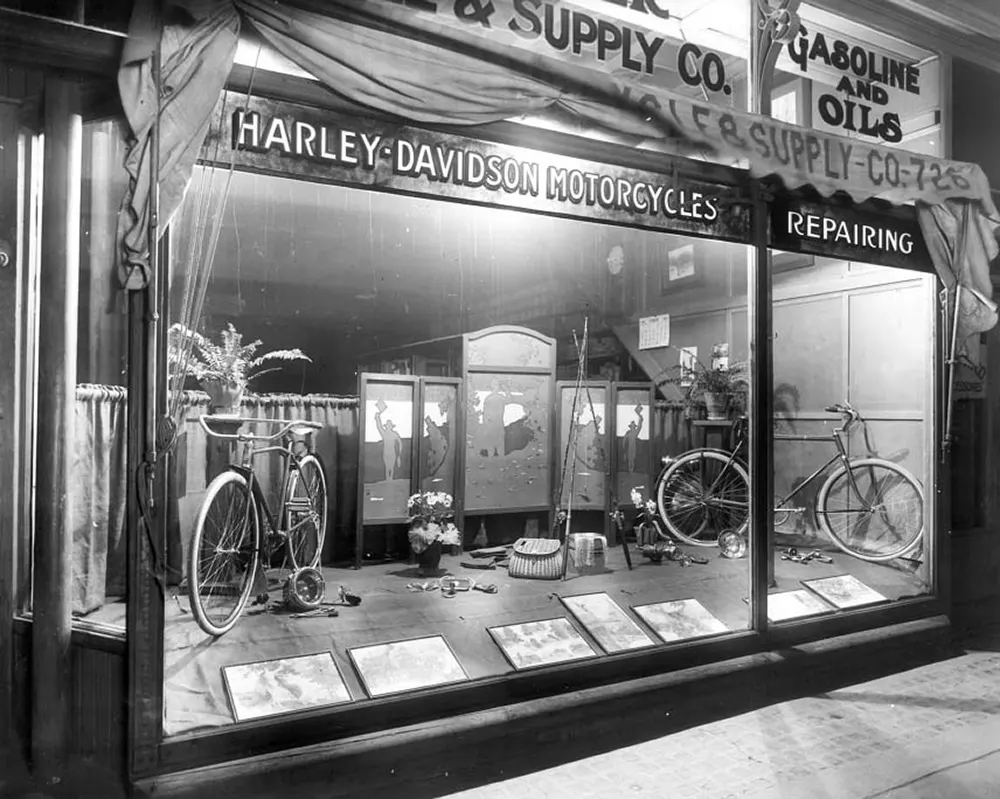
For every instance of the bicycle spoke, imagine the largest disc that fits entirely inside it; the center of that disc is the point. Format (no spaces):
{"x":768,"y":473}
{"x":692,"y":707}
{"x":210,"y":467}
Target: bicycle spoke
{"x":878,"y":516}
{"x":223,"y":556}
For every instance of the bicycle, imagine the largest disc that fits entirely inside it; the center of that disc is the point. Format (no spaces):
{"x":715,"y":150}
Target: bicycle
{"x":870,"y":507}
{"x":236,"y":526}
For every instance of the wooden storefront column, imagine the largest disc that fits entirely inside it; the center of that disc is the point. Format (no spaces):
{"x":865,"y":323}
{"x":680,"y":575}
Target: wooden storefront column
{"x":57,"y":352}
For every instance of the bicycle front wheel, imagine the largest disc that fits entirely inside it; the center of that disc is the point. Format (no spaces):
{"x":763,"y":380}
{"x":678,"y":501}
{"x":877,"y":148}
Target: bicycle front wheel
{"x":224,"y":554}
{"x":878,"y":518}
{"x":701,"y":494}
{"x":305,"y":513}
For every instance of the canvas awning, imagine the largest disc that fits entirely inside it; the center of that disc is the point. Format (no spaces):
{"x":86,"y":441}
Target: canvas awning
{"x":447,"y":63}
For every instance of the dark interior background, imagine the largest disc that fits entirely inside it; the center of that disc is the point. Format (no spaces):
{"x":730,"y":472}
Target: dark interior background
{"x":349,"y":276}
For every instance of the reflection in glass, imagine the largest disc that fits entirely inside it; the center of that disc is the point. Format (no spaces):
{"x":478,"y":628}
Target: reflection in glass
{"x":401,"y":291}
{"x":853,"y":392}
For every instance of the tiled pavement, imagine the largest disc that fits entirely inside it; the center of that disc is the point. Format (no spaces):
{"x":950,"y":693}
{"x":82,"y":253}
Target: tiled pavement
{"x":933,"y":731}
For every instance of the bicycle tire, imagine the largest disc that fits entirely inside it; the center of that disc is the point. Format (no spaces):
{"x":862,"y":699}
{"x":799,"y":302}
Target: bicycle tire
{"x":226,"y":489}
{"x":678,"y":494}
{"x":304,"y":542}
{"x":865,"y":470}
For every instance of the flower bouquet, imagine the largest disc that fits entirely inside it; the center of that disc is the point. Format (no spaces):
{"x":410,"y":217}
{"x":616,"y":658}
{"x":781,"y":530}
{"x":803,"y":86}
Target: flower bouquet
{"x":431,"y":527}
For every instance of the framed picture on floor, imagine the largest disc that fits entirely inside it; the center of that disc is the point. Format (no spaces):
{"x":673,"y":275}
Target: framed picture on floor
{"x":541,"y":643}
{"x":844,"y":591}
{"x":410,"y":665}
{"x":680,"y":620}
{"x":608,"y":624}
{"x":798,"y":604}
{"x":284,"y":685}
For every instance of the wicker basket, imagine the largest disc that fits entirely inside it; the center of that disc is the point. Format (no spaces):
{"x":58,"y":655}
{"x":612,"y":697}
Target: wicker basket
{"x":536,"y":559}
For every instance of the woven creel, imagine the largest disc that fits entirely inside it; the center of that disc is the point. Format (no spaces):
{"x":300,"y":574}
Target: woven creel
{"x":536,"y":559}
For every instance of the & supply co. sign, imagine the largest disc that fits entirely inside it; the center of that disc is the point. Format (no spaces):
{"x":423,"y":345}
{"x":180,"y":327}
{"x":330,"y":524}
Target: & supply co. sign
{"x":625,"y":58}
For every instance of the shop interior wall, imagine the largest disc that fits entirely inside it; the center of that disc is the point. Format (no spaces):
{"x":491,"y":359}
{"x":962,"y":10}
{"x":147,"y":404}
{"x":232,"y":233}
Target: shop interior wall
{"x":842,"y":331}
{"x":975,"y":470}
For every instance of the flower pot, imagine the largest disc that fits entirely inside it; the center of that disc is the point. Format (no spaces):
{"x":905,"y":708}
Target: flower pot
{"x":223,"y":396}
{"x":717,"y":406}
{"x":428,"y":561}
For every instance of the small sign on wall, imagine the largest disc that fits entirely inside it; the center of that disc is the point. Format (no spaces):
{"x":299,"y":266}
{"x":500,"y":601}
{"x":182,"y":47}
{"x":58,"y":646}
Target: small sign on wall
{"x":654,"y":332}
{"x":970,"y":372}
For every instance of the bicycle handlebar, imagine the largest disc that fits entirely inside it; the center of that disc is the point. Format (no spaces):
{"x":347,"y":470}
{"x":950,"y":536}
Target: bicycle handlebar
{"x":296,"y":427}
{"x":843,"y":408}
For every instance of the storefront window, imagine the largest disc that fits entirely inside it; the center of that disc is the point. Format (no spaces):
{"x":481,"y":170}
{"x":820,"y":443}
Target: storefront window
{"x":98,"y":474}
{"x":491,"y":354}
{"x":853,"y":393}
{"x":853,"y":342}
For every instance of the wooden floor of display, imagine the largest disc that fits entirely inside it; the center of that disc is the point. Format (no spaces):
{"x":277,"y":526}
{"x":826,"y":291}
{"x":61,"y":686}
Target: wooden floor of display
{"x":195,"y":696}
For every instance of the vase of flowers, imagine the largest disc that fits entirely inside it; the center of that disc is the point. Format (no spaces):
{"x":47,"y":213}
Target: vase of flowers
{"x":431,"y":528}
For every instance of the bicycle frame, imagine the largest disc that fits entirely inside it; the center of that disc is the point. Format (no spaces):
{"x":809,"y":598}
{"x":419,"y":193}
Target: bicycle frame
{"x":291,"y":463}
{"x":841,"y":456}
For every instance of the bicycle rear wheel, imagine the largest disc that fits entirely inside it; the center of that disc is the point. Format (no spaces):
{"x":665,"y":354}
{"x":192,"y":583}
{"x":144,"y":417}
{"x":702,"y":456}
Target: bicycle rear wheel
{"x":888,"y":522}
{"x":305,"y":513}
{"x":702,"y":493}
{"x":224,"y":554}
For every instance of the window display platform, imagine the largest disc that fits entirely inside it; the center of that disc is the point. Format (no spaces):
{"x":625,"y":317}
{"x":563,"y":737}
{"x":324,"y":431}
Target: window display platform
{"x":393,"y":609}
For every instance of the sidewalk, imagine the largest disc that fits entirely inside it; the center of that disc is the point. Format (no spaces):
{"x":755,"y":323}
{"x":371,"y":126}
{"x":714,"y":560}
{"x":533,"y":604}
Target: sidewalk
{"x":929,"y":733}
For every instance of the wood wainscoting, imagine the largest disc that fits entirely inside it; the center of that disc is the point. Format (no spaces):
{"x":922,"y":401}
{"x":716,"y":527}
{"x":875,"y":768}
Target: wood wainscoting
{"x":97,"y":735}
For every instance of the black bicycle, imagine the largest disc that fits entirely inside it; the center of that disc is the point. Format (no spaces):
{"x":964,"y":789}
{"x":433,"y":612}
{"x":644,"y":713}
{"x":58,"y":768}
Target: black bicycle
{"x":237,"y":530}
{"x":870,"y":507}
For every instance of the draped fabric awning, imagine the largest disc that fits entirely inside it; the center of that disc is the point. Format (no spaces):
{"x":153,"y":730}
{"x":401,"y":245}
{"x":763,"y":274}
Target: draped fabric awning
{"x":454,"y":68}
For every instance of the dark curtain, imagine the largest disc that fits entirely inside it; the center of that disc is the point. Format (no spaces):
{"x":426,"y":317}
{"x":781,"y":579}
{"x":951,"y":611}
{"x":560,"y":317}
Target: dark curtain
{"x":97,"y":493}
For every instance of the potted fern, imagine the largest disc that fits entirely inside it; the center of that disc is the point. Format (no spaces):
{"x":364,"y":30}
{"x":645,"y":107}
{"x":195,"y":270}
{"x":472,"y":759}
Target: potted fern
{"x":222,"y":368}
{"x":715,"y":386}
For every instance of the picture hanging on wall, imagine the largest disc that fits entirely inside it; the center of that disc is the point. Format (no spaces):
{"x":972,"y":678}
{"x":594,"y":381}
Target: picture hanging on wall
{"x":680,"y":620}
{"x":680,"y":268}
{"x":541,"y":643}
{"x":688,"y":360}
{"x":401,"y":666}
{"x":607,"y":622}
{"x":284,"y":685}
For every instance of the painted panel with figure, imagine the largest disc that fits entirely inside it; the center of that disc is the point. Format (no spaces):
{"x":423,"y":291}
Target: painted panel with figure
{"x":439,"y":432}
{"x":388,"y":449}
{"x":633,"y":441}
{"x":507,"y":456}
{"x":584,"y":413}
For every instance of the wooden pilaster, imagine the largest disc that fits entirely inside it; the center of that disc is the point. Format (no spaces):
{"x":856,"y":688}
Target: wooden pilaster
{"x":53,"y":562}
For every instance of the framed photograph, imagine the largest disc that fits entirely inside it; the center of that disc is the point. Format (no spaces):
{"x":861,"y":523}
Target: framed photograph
{"x":541,"y":643}
{"x":688,"y":361}
{"x":410,"y":665}
{"x":798,"y":604}
{"x":284,"y":685}
{"x":680,"y":268}
{"x":680,"y":620}
{"x":844,"y":591}
{"x":608,"y":623}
